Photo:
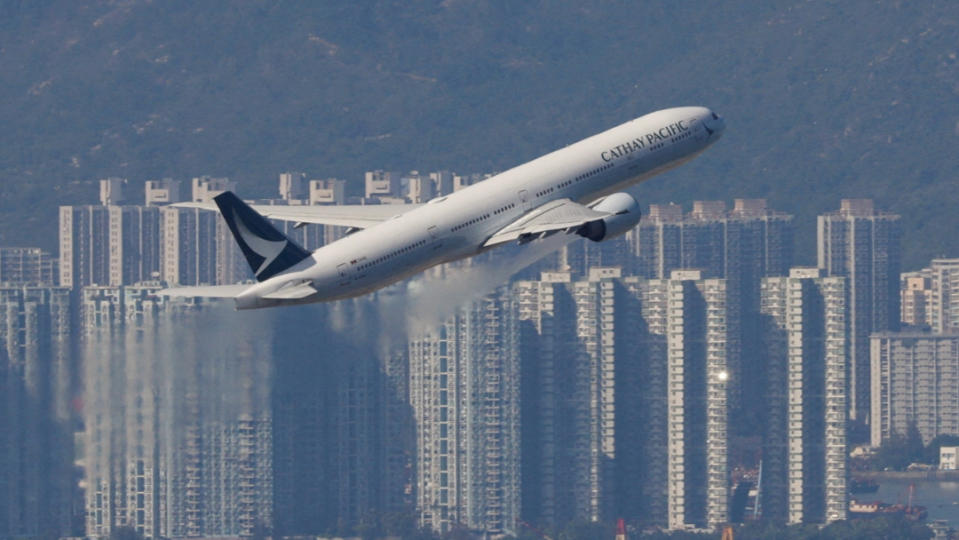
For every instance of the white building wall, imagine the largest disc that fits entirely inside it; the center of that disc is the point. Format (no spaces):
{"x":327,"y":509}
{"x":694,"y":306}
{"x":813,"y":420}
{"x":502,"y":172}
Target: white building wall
{"x":915,"y":381}
{"x":698,"y":380}
{"x":178,"y":433}
{"x":805,"y":471}
{"x":464,"y":390}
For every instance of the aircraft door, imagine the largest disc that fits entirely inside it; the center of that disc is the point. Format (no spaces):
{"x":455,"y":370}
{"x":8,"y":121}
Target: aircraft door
{"x":524,"y":200}
{"x":435,"y":240}
{"x":344,"y":271}
{"x":699,"y":131}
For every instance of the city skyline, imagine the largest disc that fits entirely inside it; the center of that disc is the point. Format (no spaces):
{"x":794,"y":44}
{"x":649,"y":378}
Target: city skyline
{"x":586,"y":297}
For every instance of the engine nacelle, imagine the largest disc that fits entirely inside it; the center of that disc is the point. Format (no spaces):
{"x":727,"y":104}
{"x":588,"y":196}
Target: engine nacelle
{"x":626,"y":216}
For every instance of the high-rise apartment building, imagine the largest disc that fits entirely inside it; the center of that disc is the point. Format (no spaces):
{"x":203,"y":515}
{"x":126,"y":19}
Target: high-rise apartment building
{"x":27,"y":266}
{"x":418,"y":188}
{"x":944,"y":311}
{"x":624,"y":398}
{"x":461,"y":181}
{"x":464,"y":392}
{"x":188,"y":246}
{"x":38,"y":385}
{"x":580,"y":255}
{"x":583,"y":436}
{"x":108,"y":245}
{"x":750,"y":241}
{"x":741,"y":245}
{"x":329,"y":191}
{"x":380,"y":183}
{"x":862,"y":244}
{"x":134,"y":243}
{"x":204,"y":188}
{"x":160,"y":192}
{"x":656,"y":243}
{"x":915,"y":297}
{"x":113,"y":191}
{"x":804,"y":436}
{"x":293,"y":186}
{"x":930,"y":297}
{"x":758,"y":243}
{"x":84,"y":245}
{"x":342,"y":422}
{"x":546,"y":323}
{"x":703,"y":245}
{"x":442,"y":182}
{"x":698,"y":382}
{"x":915,"y":382}
{"x":178,"y":436}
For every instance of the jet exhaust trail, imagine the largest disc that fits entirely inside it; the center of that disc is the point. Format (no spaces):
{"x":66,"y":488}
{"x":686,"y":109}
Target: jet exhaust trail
{"x":425,"y":302}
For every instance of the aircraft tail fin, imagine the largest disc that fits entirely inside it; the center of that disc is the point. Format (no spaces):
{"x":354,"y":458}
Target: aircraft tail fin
{"x":267,"y":250}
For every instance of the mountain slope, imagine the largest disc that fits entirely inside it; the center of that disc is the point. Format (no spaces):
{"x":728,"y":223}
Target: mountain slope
{"x":817,"y":108}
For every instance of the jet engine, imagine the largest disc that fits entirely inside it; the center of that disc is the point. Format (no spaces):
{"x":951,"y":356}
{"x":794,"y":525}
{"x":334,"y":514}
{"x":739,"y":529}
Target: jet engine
{"x":625,"y":216}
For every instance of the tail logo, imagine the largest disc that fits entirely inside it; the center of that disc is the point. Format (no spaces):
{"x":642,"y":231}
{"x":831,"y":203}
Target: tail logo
{"x":268,"y":249}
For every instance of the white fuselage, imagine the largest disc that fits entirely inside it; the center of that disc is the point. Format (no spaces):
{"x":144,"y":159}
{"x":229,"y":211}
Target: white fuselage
{"x":455,"y":226}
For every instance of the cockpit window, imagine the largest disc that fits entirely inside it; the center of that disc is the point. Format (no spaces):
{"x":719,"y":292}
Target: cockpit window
{"x":715,"y":117}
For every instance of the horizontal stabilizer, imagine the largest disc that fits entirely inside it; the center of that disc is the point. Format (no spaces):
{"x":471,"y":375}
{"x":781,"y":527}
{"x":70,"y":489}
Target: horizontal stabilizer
{"x":292,"y":293}
{"x":212,"y":291}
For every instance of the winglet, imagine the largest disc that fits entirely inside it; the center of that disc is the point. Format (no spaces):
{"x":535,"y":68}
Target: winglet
{"x":267,"y":250}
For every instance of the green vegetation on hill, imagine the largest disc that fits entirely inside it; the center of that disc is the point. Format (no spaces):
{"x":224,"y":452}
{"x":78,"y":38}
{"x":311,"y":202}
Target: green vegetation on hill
{"x":823,"y":99}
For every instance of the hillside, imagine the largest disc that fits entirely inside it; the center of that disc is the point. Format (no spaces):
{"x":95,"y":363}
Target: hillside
{"x":823,"y":99}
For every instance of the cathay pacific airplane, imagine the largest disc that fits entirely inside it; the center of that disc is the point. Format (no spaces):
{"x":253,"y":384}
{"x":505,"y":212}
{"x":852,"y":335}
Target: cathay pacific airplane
{"x":575,"y":190}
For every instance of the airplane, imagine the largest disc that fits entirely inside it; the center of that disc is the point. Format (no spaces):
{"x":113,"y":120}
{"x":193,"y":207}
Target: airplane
{"x":574,"y":190}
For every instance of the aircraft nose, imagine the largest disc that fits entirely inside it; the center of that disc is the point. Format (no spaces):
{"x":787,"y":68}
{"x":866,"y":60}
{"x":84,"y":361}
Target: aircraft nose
{"x":715,"y":124}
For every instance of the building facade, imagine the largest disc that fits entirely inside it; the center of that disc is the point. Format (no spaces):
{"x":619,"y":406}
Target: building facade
{"x":944,"y":310}
{"x":862,"y":245}
{"x":382,"y":184}
{"x":804,"y":440}
{"x":698,"y":382}
{"x":656,"y":242}
{"x":915,"y":382}
{"x":109,"y":245}
{"x":161,"y":192}
{"x":464,"y":393}
{"x":294,"y":186}
{"x":583,"y":435}
{"x":38,"y":385}
{"x":741,"y":245}
{"x":930,"y":297}
{"x":342,"y":422}
{"x":915,"y":297}
{"x":178,"y":436}
{"x":27,"y":266}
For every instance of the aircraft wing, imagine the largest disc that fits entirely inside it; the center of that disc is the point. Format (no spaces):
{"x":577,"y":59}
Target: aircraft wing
{"x":349,"y":215}
{"x":552,"y":217}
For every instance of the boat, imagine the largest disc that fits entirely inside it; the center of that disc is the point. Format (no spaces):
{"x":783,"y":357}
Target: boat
{"x":863,"y":485}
